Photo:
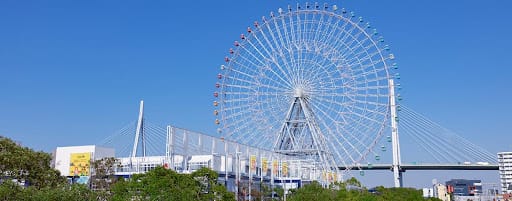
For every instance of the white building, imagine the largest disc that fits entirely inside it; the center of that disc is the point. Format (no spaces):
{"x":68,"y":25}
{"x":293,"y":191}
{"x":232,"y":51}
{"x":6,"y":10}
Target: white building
{"x":75,"y":160}
{"x":428,"y":192}
{"x":505,"y":169}
{"x":441,"y":192}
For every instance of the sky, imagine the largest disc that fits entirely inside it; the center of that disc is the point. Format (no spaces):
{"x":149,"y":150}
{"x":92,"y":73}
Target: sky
{"x":73,"y":72}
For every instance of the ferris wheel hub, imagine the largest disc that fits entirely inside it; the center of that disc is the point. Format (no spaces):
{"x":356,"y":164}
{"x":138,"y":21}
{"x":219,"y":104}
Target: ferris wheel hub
{"x":298,"y":92}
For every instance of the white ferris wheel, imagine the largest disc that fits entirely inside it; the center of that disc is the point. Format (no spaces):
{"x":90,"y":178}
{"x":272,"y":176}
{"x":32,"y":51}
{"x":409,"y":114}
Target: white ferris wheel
{"x":313,"y":81}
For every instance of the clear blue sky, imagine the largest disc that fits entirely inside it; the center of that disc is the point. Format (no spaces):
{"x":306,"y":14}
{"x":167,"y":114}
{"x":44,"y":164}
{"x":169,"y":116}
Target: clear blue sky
{"x":72,"y":72}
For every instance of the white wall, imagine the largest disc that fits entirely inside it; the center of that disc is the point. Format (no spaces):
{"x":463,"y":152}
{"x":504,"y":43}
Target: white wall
{"x":63,"y":155}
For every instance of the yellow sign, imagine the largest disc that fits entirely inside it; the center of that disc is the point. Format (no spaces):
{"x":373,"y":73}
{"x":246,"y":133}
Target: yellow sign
{"x":264,"y":165}
{"x":253,"y":162}
{"x":285,"y":169}
{"x":79,"y":164}
{"x":274,"y":167}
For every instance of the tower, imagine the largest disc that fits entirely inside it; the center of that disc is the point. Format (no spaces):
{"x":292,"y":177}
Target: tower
{"x":139,"y":133}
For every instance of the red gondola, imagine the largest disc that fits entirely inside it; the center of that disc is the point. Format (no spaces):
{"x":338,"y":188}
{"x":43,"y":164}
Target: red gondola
{"x":231,"y":51}
{"x":226,"y":59}
{"x":216,"y":94}
{"x":219,"y":76}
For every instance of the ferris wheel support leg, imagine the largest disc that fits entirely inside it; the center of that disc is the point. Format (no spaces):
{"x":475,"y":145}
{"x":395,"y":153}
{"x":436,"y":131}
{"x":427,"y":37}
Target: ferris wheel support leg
{"x":397,"y":174}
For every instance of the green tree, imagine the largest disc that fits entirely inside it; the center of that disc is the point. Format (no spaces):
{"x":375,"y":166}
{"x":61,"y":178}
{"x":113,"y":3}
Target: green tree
{"x":164,"y":184}
{"x":77,"y":192}
{"x":352,"y":190}
{"x":10,"y":191}
{"x":209,"y":188}
{"x":312,"y":191}
{"x":27,"y":166}
{"x":103,"y":176}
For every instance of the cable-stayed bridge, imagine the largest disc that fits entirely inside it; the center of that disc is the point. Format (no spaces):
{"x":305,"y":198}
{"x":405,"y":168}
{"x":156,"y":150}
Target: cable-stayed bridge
{"x":426,"y":145}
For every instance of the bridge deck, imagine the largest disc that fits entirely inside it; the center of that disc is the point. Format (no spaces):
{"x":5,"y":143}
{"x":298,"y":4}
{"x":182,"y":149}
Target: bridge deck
{"x":405,"y":167}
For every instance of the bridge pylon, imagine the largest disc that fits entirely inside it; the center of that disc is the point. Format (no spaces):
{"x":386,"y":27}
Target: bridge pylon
{"x":397,"y":173}
{"x":139,"y":133}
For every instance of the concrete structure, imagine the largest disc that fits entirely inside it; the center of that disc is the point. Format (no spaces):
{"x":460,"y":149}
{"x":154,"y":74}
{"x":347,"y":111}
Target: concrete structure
{"x":463,"y":187}
{"x":428,"y":192}
{"x":441,"y":192}
{"x":505,"y":169}
{"x":63,"y":158}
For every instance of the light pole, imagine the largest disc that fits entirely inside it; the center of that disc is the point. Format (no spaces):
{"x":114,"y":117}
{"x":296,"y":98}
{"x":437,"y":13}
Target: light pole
{"x":237,"y":174}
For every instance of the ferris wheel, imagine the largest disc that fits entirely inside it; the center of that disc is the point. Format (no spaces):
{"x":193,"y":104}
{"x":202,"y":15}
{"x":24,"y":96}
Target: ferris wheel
{"x":313,"y":81}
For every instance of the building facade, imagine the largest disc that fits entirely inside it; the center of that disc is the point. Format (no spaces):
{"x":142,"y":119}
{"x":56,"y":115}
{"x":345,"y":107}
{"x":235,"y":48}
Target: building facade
{"x":505,"y":170}
{"x":441,"y":192}
{"x":74,"y":162}
{"x":464,"y":187}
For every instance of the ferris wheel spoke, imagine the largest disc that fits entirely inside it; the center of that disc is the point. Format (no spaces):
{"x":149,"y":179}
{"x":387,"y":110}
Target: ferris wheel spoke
{"x":244,"y":127}
{"x":236,"y":110}
{"x":352,"y":86}
{"x":253,"y":88}
{"x":289,"y":46}
{"x":364,"y":117}
{"x":231,"y":69}
{"x":373,"y":80}
{"x":342,"y":37}
{"x":282,"y":84}
{"x":354,"y":138}
{"x":272,"y":59}
{"x":349,"y":108}
{"x":317,"y":30}
{"x":354,"y":38}
{"x":299,"y":24}
{"x":239,"y":100}
{"x":254,"y":56}
{"x":371,"y":71}
{"x":360,"y":128}
{"x":368,"y":58}
{"x":344,"y":117}
{"x":284,"y":46}
{"x":330,"y":35}
{"x":272,"y":56}
{"x":297,"y":39}
{"x":324,"y":46}
{"x":327,"y":27}
{"x":357,"y":44}
{"x":334,"y":138}
{"x":286,"y":70}
{"x":292,"y":27}
{"x":237,"y":122}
